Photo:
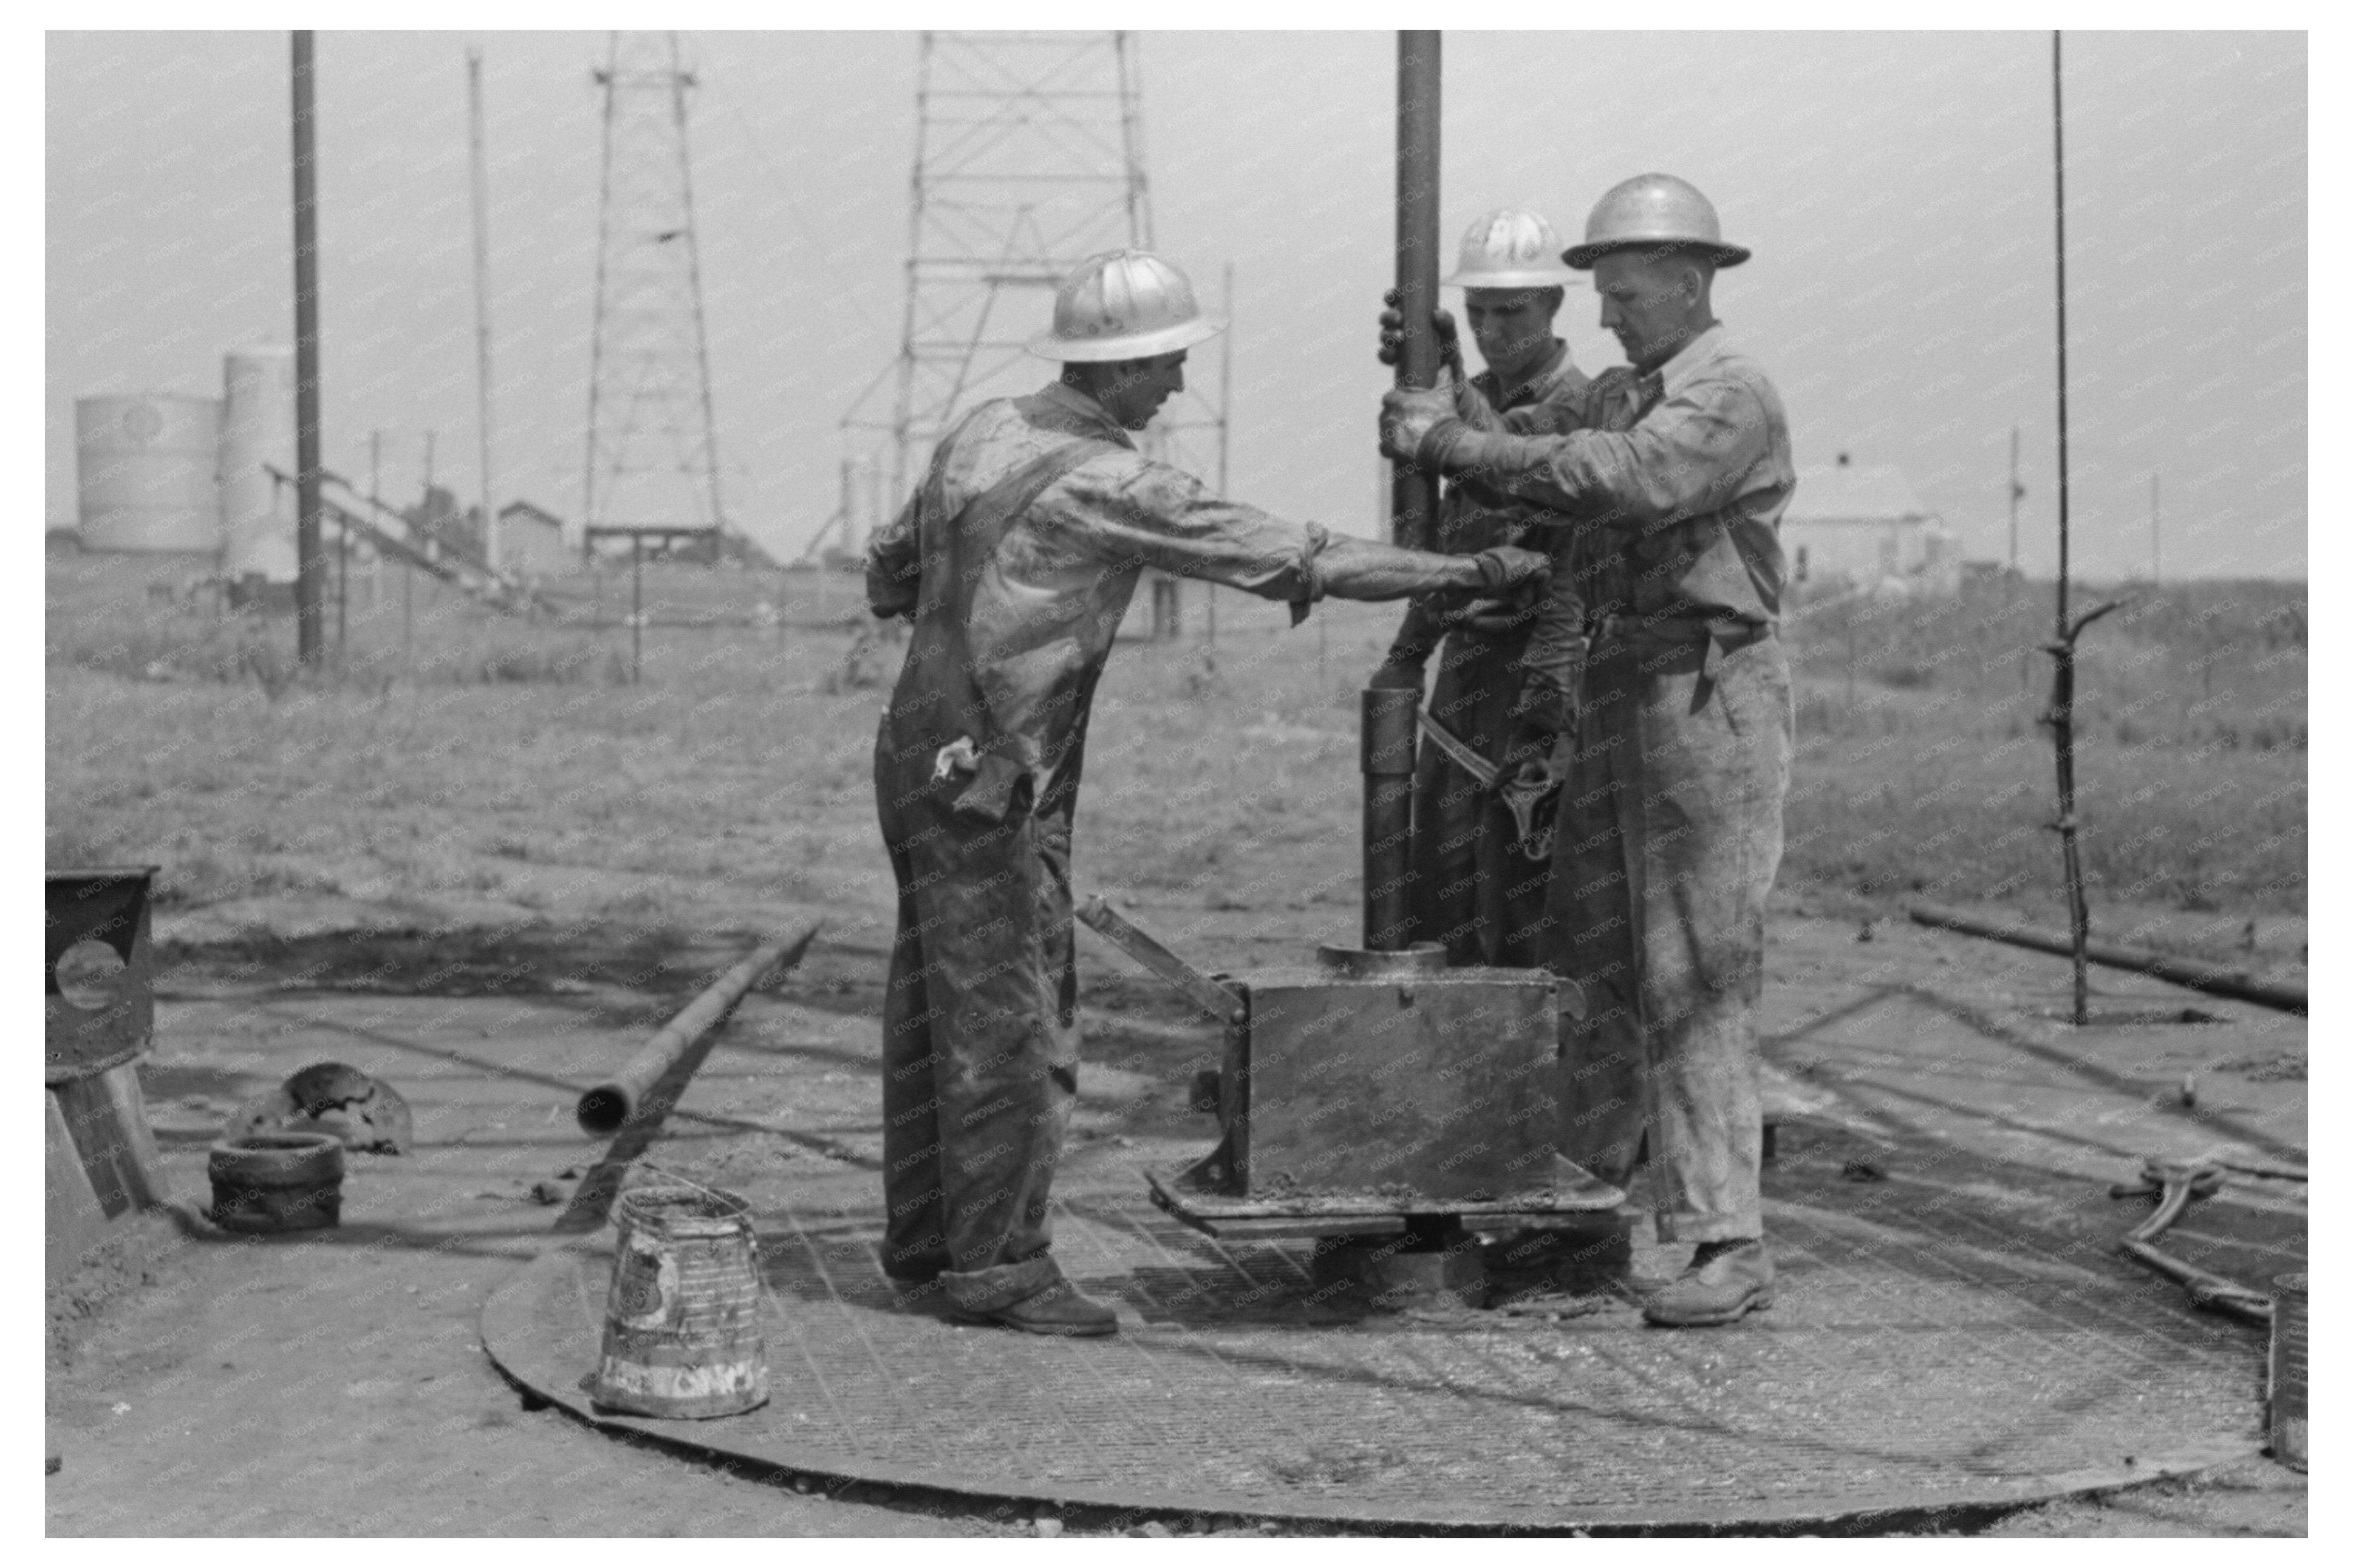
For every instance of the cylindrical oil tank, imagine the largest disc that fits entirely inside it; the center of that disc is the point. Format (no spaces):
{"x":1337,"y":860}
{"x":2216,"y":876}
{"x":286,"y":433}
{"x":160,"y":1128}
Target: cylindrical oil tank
{"x":257,"y":511}
{"x":145,"y":472}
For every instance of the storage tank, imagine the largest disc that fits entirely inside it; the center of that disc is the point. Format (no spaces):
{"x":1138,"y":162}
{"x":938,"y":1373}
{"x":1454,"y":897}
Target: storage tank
{"x":257,"y":428}
{"x":144,"y":472}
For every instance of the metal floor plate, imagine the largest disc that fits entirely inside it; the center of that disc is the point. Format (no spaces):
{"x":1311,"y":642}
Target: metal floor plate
{"x":1922,"y":1358}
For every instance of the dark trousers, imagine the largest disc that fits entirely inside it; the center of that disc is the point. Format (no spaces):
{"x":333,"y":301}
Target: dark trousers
{"x":979,"y":1037}
{"x":1667,"y":842}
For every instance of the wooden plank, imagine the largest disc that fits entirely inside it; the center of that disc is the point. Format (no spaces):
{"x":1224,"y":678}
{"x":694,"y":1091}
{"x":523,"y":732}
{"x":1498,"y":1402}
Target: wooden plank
{"x":107,"y":1122}
{"x":1219,"y":1001}
{"x":76,"y":1220}
{"x":1205,"y":1209}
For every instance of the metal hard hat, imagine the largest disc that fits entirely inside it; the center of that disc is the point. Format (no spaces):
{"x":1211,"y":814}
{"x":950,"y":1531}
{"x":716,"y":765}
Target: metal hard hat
{"x":1511,"y":247}
{"x":1123,"y":305}
{"x":1652,"y":210}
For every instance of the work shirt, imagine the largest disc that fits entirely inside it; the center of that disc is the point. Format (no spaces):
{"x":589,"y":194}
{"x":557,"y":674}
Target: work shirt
{"x":1687,"y":500}
{"x":1011,"y":636}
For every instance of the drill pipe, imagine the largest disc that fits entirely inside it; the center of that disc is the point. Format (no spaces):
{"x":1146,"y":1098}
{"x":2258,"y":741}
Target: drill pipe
{"x":2214,"y":979}
{"x":1387,"y":755}
{"x":609,"y":1106}
{"x":1413,"y":495}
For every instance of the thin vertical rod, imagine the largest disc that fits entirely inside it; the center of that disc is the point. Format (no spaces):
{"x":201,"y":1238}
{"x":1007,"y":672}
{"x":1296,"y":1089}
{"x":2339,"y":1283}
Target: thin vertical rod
{"x":2063,"y":642}
{"x":2156,"y":537}
{"x":2017,"y":493}
{"x":1224,"y":432}
{"x":1413,"y":505}
{"x":2059,"y":191}
{"x":482,"y":300}
{"x":1226,"y":384}
{"x":309,"y":568}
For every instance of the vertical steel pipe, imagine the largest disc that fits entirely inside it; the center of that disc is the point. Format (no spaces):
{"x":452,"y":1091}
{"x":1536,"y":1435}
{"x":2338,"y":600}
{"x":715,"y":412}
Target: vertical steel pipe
{"x":1387,"y":753}
{"x":309,"y":568}
{"x":1413,"y":495}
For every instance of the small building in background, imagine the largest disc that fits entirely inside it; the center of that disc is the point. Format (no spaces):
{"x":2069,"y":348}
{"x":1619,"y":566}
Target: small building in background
{"x":531,"y":541}
{"x":1852,"y":526}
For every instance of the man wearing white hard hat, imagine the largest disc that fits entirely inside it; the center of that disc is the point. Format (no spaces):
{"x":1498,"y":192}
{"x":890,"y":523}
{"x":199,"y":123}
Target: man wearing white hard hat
{"x":1015,"y":562}
{"x":1681,"y":473}
{"x":1478,"y":878}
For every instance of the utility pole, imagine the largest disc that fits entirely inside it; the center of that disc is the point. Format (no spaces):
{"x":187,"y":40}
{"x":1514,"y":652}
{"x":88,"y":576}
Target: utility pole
{"x":1413,"y":504}
{"x":308,"y":606}
{"x":482,"y":300}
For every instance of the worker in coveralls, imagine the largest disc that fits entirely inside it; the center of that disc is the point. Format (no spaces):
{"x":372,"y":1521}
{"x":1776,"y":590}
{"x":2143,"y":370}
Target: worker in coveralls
{"x":1479,"y":880}
{"x":1016,"y":560}
{"x":1682,"y":473}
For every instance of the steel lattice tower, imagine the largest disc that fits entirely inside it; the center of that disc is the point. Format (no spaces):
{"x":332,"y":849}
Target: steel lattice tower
{"x":652,"y":460}
{"x":1029,"y":159}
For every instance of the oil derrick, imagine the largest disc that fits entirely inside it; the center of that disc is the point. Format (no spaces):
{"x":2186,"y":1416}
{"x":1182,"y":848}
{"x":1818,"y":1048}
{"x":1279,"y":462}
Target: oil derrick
{"x":652,"y":462}
{"x":1029,"y":159}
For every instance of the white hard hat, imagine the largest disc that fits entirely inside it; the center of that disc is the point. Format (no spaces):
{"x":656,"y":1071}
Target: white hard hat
{"x":1123,"y":305}
{"x":1654,"y":210}
{"x":1511,"y":247}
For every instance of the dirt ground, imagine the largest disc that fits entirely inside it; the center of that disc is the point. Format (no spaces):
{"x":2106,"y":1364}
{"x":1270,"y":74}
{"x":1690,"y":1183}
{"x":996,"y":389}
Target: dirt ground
{"x":486,"y":893}
{"x":335,"y":1383}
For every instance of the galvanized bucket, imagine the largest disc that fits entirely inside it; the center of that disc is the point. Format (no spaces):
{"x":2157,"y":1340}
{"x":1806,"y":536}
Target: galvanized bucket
{"x":2291,"y":1327}
{"x":682,"y":1317}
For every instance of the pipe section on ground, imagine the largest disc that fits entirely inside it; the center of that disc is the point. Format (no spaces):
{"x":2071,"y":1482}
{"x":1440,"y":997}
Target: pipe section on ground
{"x":611,"y":1105}
{"x":2214,"y":979}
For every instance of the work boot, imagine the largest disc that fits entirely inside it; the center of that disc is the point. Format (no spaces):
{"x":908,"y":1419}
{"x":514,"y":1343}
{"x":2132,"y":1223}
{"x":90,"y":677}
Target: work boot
{"x":1059,"y":1309}
{"x":922,"y":1293}
{"x":1727,"y":1281}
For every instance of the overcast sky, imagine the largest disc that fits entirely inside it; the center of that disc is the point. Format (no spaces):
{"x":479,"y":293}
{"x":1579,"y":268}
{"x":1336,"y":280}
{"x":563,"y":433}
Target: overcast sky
{"x":1896,"y":189}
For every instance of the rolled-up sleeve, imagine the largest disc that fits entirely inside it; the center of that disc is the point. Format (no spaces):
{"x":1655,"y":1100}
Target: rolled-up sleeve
{"x":1688,"y":455}
{"x":1132,"y":511}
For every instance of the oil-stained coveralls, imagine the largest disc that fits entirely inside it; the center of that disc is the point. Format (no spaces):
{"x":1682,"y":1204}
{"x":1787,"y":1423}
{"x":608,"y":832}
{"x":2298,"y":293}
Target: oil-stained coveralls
{"x":1472,"y":890}
{"x":1015,"y":561}
{"x":1671,"y":812}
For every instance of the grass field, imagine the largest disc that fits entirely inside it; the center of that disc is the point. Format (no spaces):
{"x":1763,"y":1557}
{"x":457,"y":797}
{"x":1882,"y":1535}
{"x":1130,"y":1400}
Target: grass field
{"x":485,"y":757}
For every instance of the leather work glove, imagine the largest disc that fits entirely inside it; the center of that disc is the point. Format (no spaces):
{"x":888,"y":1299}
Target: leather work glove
{"x":1450,"y":341}
{"x":1508,"y":566}
{"x":1408,"y":416}
{"x":1394,"y":674}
